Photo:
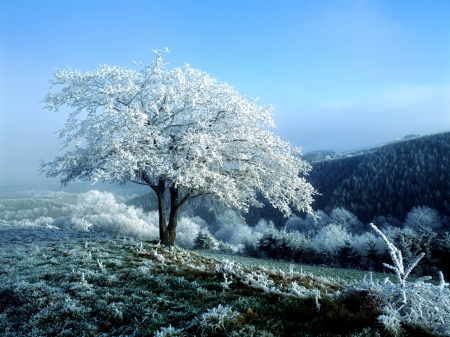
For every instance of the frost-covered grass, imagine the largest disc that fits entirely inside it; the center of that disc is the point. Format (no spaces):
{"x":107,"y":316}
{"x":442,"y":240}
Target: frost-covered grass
{"x":69,"y":283}
{"x":339,"y":275}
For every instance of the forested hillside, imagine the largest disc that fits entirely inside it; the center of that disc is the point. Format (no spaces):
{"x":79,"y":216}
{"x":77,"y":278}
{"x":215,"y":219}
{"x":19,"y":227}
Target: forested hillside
{"x":389,"y":181}
{"x":327,"y":176}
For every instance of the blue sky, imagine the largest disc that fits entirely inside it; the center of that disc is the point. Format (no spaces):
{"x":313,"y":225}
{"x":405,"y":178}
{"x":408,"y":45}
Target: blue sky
{"x":341,"y":74}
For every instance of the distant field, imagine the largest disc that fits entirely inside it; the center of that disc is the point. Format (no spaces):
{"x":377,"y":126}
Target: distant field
{"x":67,"y":198}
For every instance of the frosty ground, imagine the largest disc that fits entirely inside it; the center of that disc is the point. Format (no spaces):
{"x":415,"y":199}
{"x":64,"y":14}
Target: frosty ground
{"x":76,"y":280}
{"x":68,"y":283}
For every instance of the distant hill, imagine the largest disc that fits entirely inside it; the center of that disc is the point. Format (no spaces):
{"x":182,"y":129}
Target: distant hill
{"x":389,"y":180}
{"x":316,"y":156}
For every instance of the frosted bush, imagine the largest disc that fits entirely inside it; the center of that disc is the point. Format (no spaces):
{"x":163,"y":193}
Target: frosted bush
{"x":199,"y":221}
{"x":216,"y":320}
{"x":225,"y":247}
{"x":261,"y":227}
{"x":420,"y":217}
{"x":320,"y":218}
{"x":363,"y":243}
{"x":44,"y":221}
{"x":275,"y":244}
{"x":257,"y":232}
{"x":294,"y":223}
{"x":309,"y":226}
{"x":391,"y":321}
{"x":82,"y":225}
{"x":414,"y":303}
{"x":106,"y":215}
{"x":204,"y":240}
{"x":340,"y":216}
{"x":232,"y":228}
{"x":169,"y":332}
{"x":187,"y":230}
{"x":330,"y":240}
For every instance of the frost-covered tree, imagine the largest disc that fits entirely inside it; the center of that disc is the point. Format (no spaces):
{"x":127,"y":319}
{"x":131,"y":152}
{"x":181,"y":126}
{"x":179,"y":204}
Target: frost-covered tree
{"x":205,"y":240}
{"x":330,"y":240}
{"x":340,"y":216}
{"x":177,"y":130}
{"x":423,"y":216}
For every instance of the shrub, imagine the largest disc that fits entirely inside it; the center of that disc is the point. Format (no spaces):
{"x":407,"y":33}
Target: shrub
{"x":204,"y":240}
{"x":231,"y":228}
{"x":329,"y":241}
{"x":340,"y":216}
{"x":348,"y":256}
{"x":423,"y":216}
{"x":106,"y":215}
{"x":216,"y":321}
{"x":371,"y":250}
{"x":416,"y":304}
{"x":187,"y":231}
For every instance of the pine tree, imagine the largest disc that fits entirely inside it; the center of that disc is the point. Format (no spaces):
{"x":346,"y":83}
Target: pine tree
{"x":205,"y":240}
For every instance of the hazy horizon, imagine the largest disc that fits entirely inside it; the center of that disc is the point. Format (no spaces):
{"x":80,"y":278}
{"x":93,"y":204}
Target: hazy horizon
{"x":341,"y":75}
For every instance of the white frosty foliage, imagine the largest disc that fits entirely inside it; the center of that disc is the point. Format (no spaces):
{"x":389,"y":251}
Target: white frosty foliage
{"x":364,"y":242}
{"x":179,"y":127}
{"x":423,"y":216}
{"x":80,"y":224}
{"x":101,"y":210}
{"x":216,"y":320}
{"x":415,"y":303}
{"x":330,"y":239}
{"x":391,"y":321}
{"x":187,"y":231}
{"x":232,"y":228}
{"x":260,"y":280}
{"x":169,"y":332}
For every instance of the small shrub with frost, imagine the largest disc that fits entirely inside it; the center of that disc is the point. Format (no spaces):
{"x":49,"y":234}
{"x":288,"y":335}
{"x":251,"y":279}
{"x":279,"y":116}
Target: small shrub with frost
{"x":228,"y":248}
{"x":363,"y":244}
{"x":261,"y":227}
{"x":294,"y":223}
{"x":218,"y":320}
{"x":169,"y":332}
{"x":82,"y":225}
{"x":414,"y":303}
{"x":309,"y":225}
{"x":341,"y":216}
{"x":277,"y":244}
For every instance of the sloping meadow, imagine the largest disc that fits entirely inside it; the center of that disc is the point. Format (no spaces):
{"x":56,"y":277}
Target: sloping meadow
{"x":69,"y":283}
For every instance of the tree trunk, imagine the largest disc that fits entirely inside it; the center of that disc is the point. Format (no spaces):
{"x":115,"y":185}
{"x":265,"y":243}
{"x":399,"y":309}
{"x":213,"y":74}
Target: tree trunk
{"x":161,"y":209}
{"x":169,"y":235}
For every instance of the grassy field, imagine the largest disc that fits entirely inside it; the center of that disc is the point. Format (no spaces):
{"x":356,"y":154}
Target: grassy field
{"x":338,"y":275}
{"x":56,"y":283}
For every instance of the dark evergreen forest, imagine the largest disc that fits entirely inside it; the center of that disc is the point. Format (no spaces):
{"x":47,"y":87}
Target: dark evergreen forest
{"x":389,"y":181}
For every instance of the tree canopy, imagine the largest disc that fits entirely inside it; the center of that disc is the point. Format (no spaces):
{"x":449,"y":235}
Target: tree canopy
{"x":178,"y":130}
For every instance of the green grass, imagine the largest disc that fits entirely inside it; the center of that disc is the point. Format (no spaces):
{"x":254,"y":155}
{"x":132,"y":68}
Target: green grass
{"x":103,"y":286}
